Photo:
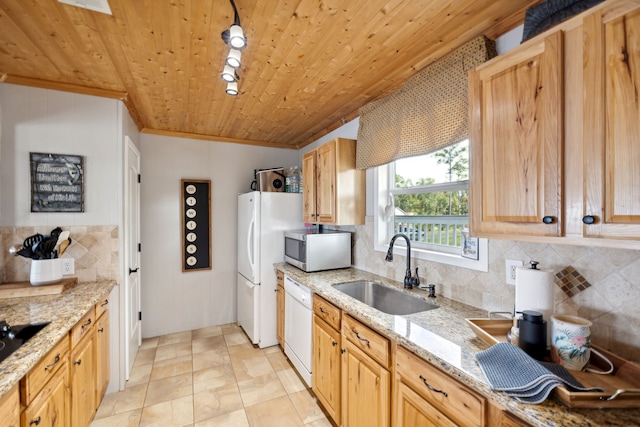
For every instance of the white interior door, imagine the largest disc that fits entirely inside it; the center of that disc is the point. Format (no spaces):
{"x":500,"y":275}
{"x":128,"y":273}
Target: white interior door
{"x":133,"y":328}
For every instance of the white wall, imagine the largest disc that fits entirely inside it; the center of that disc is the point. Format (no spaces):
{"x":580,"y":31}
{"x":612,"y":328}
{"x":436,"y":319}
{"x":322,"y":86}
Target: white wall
{"x":39,"y":120}
{"x":174,"y":301}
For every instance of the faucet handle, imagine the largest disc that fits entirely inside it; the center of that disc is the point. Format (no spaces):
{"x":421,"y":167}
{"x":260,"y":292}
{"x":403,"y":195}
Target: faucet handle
{"x":417,"y":279}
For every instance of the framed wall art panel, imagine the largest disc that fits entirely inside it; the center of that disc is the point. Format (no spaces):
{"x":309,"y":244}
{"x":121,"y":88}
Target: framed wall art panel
{"x":196,"y":224}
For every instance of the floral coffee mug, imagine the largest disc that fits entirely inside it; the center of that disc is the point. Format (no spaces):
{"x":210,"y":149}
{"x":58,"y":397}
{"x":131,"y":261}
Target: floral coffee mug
{"x":571,"y":343}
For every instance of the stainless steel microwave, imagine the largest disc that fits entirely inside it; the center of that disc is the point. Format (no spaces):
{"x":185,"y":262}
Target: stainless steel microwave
{"x":317,"y":249}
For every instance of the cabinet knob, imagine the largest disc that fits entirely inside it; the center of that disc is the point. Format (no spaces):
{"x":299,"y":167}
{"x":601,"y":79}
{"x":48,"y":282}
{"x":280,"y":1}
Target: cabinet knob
{"x":548,"y":220}
{"x":36,"y":421}
{"x":334,"y":343}
{"x":588,"y":219}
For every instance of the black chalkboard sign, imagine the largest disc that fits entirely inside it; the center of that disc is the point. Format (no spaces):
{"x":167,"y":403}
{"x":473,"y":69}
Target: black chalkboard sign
{"x":57,"y":183}
{"x":196,"y":224}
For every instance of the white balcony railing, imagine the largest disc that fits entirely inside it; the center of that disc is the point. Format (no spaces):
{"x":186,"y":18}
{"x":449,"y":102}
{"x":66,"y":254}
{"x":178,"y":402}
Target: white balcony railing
{"x":443,"y":230}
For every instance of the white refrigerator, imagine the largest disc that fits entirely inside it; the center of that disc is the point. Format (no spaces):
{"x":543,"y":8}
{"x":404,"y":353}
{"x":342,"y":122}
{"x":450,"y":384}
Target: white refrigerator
{"x":262,"y":218}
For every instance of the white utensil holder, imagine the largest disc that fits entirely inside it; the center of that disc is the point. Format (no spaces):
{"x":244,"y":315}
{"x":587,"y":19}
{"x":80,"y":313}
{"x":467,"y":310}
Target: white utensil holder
{"x":45,"y":271}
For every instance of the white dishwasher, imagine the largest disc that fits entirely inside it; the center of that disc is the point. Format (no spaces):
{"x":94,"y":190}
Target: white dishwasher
{"x":298,"y":315}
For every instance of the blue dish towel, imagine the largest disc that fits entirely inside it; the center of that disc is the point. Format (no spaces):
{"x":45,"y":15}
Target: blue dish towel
{"x":509,"y":369}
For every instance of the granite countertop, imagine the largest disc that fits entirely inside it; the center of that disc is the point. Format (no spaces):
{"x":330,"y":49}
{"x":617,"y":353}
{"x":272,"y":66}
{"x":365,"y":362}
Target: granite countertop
{"x":62,"y":310}
{"x":443,"y":338}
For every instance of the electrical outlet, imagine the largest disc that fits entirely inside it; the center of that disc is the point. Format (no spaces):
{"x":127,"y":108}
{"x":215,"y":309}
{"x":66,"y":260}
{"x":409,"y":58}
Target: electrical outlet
{"x":511,"y":265}
{"x":68,"y":267}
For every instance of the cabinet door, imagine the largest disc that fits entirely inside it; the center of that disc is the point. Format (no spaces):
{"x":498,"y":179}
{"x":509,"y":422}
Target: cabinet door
{"x":365,"y":390}
{"x":10,"y":408}
{"x":611,"y":124}
{"x":517,"y":140}
{"x":280,"y":315}
{"x":309,"y":187}
{"x":83,"y":383}
{"x":411,"y":410}
{"x":102,"y":356}
{"x":326,"y":183}
{"x":50,"y":408}
{"x":326,"y":367}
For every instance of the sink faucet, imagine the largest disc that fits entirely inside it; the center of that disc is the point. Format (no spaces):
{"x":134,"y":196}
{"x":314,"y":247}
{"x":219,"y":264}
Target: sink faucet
{"x":409,"y":280}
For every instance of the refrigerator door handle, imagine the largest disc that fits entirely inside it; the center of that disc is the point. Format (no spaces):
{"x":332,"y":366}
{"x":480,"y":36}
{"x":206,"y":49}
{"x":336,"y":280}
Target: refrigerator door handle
{"x":250,"y":251}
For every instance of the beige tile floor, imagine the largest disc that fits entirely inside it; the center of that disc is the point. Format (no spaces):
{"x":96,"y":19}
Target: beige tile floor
{"x":210,"y":377}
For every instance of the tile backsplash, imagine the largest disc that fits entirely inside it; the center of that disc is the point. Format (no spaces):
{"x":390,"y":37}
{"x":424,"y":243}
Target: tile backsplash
{"x":93,"y":248}
{"x":611,"y":302}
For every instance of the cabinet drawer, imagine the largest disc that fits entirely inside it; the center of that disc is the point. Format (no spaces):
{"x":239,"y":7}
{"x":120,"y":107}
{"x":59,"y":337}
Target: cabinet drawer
{"x":327,"y":311}
{"x":102,"y":306}
{"x":366,"y":339}
{"x":44,"y":370}
{"x":446,"y":394}
{"x":83,"y":327}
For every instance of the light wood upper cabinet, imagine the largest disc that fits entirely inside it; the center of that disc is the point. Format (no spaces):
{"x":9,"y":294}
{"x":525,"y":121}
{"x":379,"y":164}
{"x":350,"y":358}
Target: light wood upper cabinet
{"x":517,"y":141}
{"x":333,"y":190}
{"x":612,"y":124}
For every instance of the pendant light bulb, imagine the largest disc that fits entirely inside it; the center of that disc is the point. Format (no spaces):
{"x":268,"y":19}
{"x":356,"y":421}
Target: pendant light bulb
{"x":232,"y":88}
{"x":237,"y":39}
{"x":229,"y":74}
{"x":233,"y":59}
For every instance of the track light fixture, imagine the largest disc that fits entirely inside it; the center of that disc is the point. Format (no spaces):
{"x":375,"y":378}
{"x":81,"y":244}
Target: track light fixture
{"x":234,"y":38}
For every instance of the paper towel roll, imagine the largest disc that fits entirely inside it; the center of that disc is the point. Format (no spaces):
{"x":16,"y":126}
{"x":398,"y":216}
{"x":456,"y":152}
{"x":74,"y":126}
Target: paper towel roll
{"x":534,"y":291}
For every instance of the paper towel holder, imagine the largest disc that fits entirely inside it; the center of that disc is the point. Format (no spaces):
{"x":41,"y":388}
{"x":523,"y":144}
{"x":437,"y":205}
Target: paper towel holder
{"x":534,"y":265}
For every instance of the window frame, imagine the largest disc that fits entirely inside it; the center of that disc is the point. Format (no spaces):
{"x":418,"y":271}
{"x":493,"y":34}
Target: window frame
{"x":384,"y":179}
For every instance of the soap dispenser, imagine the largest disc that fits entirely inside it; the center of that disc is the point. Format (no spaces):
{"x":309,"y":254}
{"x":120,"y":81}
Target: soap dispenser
{"x":533,"y":334}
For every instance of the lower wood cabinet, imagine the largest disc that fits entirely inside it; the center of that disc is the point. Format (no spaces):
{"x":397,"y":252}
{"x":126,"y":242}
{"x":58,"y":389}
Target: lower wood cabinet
{"x":10,"y":408}
{"x":50,"y":408}
{"x":444,"y":399}
{"x":412,"y":410}
{"x":327,"y":359}
{"x":102,"y":355}
{"x":280,"y":308}
{"x":366,"y":381}
{"x":83,"y":383}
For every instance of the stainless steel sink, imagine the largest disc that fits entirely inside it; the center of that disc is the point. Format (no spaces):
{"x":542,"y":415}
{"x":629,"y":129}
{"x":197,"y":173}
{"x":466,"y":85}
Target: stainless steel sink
{"x":384,"y":298}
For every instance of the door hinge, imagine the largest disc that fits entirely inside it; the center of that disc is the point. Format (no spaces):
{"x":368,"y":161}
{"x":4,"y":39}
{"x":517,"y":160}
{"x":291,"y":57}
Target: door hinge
{"x":139,"y":247}
{"x":138,"y":178}
{"x":140,"y":315}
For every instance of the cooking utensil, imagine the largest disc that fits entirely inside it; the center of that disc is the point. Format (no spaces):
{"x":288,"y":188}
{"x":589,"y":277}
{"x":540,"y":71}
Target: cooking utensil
{"x":63,"y":236}
{"x":63,"y":246}
{"x":31,"y":241}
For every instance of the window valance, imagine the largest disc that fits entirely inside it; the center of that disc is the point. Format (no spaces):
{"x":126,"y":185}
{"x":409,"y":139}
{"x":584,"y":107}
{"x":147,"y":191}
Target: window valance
{"x":428,"y":113}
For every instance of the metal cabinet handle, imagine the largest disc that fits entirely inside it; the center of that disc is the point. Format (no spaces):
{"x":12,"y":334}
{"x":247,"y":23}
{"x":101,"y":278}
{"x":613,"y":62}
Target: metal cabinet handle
{"x":432,"y":388}
{"x":54,"y":363}
{"x":105,"y":303}
{"x":36,"y":421}
{"x":77,"y":362}
{"x":588,"y":219}
{"x":101,"y":330}
{"x":364,"y":340}
{"x":333,"y":343}
{"x":87,"y":323}
{"x":322,"y":310}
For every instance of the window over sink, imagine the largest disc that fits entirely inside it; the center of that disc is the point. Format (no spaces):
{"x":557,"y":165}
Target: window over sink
{"x":426,"y":197}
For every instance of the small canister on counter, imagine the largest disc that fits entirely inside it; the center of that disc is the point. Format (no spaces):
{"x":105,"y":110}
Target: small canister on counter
{"x":533,"y":334}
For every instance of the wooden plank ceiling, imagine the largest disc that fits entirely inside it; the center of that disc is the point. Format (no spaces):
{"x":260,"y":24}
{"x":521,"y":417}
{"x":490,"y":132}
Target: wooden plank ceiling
{"x":308,"y":67}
